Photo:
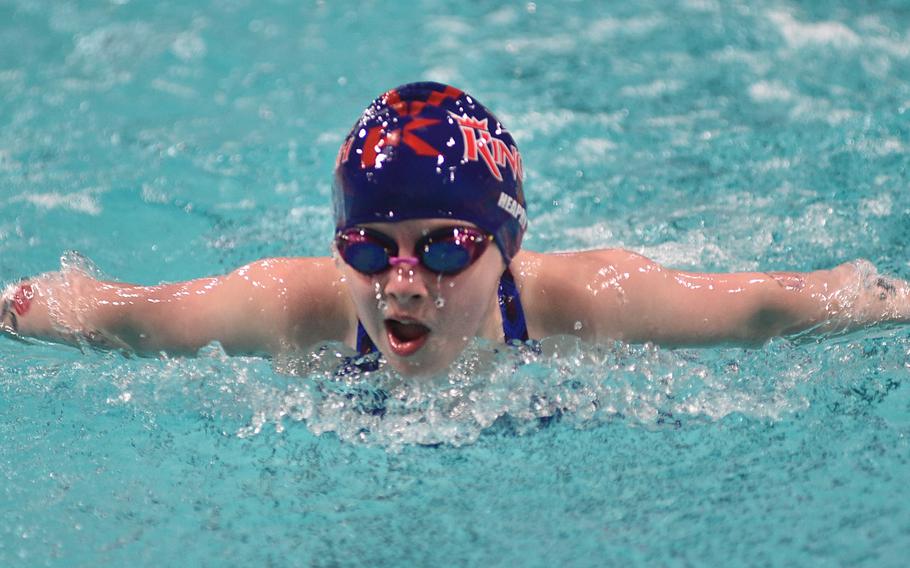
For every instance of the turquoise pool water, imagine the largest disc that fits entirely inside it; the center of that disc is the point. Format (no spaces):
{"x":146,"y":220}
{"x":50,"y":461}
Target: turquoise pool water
{"x":170,"y":140}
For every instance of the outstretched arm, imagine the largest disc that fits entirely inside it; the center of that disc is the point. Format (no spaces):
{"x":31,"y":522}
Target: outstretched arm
{"x":264,"y":307}
{"x":616,"y":294}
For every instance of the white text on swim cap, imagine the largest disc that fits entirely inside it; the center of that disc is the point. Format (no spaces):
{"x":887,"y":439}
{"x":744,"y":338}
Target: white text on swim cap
{"x":479,"y":143}
{"x":508,"y":204}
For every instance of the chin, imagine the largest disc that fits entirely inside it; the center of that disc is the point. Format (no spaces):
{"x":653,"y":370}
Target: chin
{"x":431,"y":358}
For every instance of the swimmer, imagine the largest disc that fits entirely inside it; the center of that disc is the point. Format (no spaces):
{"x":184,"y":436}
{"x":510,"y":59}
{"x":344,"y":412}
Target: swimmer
{"x":429,"y":216}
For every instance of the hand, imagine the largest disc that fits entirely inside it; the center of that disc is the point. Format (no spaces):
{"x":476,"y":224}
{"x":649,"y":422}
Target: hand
{"x":14,"y":304}
{"x":876,"y":298}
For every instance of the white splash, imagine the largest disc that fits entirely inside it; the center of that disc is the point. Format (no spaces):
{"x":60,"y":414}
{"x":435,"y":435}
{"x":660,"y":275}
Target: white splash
{"x":85,"y":201}
{"x":798,"y":34}
{"x":654,"y":89}
{"x":769,"y":91}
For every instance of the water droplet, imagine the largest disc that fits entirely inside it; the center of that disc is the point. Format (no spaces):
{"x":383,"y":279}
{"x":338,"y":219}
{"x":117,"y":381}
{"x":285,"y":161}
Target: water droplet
{"x":440,"y":302}
{"x":578,"y":326}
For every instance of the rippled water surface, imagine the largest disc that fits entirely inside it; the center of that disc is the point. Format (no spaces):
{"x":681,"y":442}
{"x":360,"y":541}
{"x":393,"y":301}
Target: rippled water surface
{"x":166,"y":141}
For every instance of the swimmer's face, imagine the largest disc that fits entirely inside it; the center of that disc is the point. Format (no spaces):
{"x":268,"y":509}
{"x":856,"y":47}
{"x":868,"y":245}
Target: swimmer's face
{"x":420,"y":320}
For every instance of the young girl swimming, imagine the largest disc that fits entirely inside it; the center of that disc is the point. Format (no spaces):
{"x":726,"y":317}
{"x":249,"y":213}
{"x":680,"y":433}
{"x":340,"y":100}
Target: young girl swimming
{"x":430,"y":214}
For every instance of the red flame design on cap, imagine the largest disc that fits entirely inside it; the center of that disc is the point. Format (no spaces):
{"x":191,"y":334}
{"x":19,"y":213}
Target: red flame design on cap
{"x":377,"y":137}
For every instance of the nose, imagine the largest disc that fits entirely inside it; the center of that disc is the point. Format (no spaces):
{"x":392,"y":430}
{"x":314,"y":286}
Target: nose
{"x":404,"y":283}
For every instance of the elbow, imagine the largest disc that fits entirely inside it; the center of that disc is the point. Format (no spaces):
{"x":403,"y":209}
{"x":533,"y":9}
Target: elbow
{"x":769,"y":322}
{"x":776,"y":313}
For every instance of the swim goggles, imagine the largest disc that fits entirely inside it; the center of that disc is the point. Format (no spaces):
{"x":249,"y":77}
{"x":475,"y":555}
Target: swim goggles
{"x":448,"y":251}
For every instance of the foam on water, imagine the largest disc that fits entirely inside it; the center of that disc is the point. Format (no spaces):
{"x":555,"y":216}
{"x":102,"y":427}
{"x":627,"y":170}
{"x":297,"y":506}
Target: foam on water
{"x":493,"y":391}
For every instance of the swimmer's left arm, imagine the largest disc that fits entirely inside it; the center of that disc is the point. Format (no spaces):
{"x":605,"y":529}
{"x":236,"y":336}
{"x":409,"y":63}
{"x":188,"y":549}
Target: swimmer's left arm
{"x":621,"y":295}
{"x":750,"y":308}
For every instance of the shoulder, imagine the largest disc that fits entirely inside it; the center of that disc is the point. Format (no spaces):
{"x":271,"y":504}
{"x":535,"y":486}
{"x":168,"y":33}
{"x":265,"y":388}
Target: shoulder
{"x":567,"y":270}
{"x":306,"y":296}
{"x":560,"y":290}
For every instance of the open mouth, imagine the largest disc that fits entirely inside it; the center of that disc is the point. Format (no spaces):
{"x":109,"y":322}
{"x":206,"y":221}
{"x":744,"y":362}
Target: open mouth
{"x":405,"y":337}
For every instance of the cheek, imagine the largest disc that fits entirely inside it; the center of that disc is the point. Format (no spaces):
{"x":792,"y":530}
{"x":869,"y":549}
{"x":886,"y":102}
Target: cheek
{"x":363,"y":292}
{"x":460,"y":303}
{"x":465,"y":305}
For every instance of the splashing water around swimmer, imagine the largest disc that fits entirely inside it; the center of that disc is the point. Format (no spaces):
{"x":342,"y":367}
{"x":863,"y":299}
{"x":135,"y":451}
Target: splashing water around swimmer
{"x":491,"y":389}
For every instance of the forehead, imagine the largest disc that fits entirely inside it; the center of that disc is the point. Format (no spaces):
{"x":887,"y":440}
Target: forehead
{"x":415,"y":228}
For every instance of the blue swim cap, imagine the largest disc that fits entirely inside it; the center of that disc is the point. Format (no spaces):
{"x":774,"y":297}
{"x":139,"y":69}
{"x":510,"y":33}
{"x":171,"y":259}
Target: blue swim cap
{"x":427,"y":150}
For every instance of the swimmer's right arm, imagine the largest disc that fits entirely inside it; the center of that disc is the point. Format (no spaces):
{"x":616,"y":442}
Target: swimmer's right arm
{"x":264,"y":307}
